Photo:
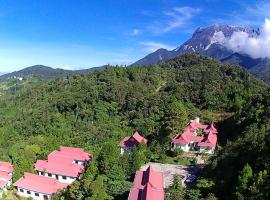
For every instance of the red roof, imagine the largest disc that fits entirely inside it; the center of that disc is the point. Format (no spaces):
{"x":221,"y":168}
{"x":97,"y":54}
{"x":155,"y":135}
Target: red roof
{"x":211,"y":128}
{"x":40,"y":184}
{"x":60,"y":166}
{"x":195,"y":124}
{"x":62,"y":162}
{"x":6,"y":167}
{"x":5,"y":176}
{"x":209,"y":141}
{"x":147,"y":185}
{"x":186,"y":138}
{"x":76,"y":153}
{"x":133,"y":140}
{"x":3,"y":183}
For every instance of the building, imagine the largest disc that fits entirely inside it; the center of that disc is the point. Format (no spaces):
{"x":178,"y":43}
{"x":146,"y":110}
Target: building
{"x":65,"y":165}
{"x":38,"y":187}
{"x":147,"y":185}
{"x":6,"y":172}
{"x":208,"y":144}
{"x":128,"y":143}
{"x":186,"y":140}
{"x":190,"y":139}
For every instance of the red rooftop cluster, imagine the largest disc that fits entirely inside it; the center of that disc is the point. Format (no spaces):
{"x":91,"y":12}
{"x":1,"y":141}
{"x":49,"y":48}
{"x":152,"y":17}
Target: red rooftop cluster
{"x":190,"y":138}
{"x":61,"y":168}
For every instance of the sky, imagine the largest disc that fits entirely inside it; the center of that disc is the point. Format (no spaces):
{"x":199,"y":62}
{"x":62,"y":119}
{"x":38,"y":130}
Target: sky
{"x":77,"y":34}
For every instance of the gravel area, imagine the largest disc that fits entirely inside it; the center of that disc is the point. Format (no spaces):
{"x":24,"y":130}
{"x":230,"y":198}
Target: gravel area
{"x":170,"y":170}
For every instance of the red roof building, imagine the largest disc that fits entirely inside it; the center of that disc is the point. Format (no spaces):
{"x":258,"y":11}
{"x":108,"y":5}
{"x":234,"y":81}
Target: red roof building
{"x":65,"y":165}
{"x":189,"y":138}
{"x":130,"y":142}
{"x":38,"y":187}
{"x":147,"y":185}
{"x":186,"y":138}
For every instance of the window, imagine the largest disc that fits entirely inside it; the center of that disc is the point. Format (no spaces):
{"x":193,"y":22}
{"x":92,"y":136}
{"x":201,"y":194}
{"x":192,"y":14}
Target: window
{"x":28,"y":192}
{"x":76,"y":161}
{"x":50,"y":175}
{"x":64,"y":177}
{"x":21,"y":190}
{"x":37,"y":194}
{"x":42,"y":173}
{"x":45,"y":197}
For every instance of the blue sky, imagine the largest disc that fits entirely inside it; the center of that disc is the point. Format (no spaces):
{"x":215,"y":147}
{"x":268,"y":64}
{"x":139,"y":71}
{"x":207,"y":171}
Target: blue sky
{"x":75,"y":34}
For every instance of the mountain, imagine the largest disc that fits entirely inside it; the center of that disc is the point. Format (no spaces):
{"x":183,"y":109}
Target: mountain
{"x":206,"y":41}
{"x":46,"y":72}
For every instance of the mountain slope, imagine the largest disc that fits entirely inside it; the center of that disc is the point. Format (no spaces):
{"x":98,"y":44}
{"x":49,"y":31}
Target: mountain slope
{"x":206,"y":41}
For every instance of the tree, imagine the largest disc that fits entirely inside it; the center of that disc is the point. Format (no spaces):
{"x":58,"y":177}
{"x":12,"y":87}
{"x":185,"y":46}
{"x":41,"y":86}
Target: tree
{"x":193,"y":194}
{"x":176,"y":117}
{"x":244,"y":179}
{"x":176,"y":191}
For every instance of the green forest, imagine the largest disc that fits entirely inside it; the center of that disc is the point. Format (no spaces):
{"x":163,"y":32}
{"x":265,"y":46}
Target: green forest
{"x":96,"y":110}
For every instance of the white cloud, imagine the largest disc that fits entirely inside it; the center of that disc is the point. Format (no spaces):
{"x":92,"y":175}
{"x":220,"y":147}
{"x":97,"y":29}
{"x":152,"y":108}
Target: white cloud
{"x":178,"y":17}
{"x":256,"y":47}
{"x":135,"y":32}
{"x":151,"y":46}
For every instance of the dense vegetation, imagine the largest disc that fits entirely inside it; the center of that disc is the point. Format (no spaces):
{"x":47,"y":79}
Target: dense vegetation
{"x":95,"y":111}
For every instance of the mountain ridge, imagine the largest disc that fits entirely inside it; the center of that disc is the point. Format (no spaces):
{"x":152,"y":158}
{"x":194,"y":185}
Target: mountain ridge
{"x":207,"y":41}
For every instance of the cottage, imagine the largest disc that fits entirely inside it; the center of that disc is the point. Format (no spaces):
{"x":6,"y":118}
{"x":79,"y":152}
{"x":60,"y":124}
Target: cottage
{"x":38,"y":187}
{"x":189,"y":138}
{"x":128,"y":143}
{"x":147,"y":185}
{"x":65,"y":165}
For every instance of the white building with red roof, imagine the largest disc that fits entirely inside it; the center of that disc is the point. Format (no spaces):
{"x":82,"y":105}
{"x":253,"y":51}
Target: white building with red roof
{"x":65,"y":165}
{"x":189,"y":138}
{"x":6,"y":172}
{"x":185,"y":140}
{"x":147,"y":185}
{"x":38,"y":187}
{"x":129,"y":142}
{"x":208,"y":144}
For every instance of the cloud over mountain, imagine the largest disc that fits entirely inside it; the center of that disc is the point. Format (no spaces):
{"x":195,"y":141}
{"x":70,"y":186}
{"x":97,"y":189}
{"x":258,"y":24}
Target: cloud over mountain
{"x":257,"y":46}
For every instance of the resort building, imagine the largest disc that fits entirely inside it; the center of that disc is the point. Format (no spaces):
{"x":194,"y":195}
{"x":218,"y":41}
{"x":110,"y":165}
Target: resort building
{"x":65,"y":165}
{"x":130,"y":142}
{"x":198,"y":137}
{"x":38,"y":187}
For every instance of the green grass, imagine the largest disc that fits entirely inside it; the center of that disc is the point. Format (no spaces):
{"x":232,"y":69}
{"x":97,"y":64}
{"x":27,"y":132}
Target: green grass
{"x":178,"y":160}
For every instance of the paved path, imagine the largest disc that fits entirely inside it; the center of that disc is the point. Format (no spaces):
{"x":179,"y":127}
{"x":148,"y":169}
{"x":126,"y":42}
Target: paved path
{"x":170,"y":170}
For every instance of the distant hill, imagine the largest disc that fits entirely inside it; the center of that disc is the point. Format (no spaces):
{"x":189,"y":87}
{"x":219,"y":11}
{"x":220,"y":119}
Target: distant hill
{"x":46,"y":72}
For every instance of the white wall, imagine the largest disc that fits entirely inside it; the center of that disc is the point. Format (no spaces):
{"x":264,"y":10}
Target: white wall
{"x":61,"y":179}
{"x":184,"y":147}
{"x":125,"y":150}
{"x":24,"y":194}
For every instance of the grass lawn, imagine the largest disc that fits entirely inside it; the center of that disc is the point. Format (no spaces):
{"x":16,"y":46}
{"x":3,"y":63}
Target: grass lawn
{"x":179,"y":160}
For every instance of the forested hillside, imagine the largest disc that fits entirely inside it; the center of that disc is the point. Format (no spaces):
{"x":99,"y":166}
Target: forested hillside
{"x":96,"y":110}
